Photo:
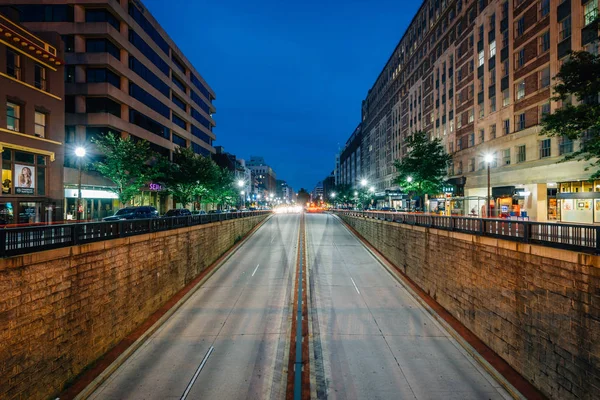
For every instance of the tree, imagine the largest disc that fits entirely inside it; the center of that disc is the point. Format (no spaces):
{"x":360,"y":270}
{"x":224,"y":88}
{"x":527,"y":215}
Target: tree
{"x":189,"y":175}
{"x":343,"y":194}
{"x":303,"y":197}
{"x":423,"y":169}
{"x":128,"y":164}
{"x":221,"y":190}
{"x":578,"y":77}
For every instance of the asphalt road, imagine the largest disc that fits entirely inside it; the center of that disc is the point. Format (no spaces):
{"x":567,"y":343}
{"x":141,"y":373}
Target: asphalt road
{"x":369,"y":338}
{"x":241,"y":312}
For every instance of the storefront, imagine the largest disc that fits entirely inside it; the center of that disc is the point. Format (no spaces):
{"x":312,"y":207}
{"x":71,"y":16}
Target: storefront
{"x":579,"y":202}
{"x":25,"y":183}
{"x":154,"y":195}
{"x":96,"y":202}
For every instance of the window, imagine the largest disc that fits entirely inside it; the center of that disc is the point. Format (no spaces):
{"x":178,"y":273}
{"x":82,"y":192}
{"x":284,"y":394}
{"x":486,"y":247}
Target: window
{"x":178,"y":83}
{"x":564,"y":28}
{"x":471,"y":139}
{"x":40,"y":124}
{"x":101,"y":75}
{"x":481,"y":136}
{"x":505,"y":38}
{"x":492,"y":48}
{"x":520,"y":90}
{"x":471,"y":164}
{"x":139,"y":68}
{"x":102,"y":105}
{"x":102,"y":15}
{"x":505,"y":68}
{"x":178,"y":121}
{"x":492,"y":104}
{"x":545,"y":77}
{"x":471,"y":116}
{"x":520,"y":26}
{"x":201,"y":135}
{"x":70,"y":74}
{"x":200,"y":150}
{"x":520,"y":124}
{"x":545,"y":148}
{"x":139,"y":119}
{"x":31,"y":177}
{"x":180,"y":103}
{"x":505,"y":98}
{"x":45,"y":13}
{"x":178,"y":63}
{"x":520,"y":58}
{"x":198,"y":100}
{"x":544,"y":109}
{"x":590,"y":11}
{"x":506,"y":157}
{"x":147,"y":27}
{"x":481,"y":58}
{"x":565,"y":146}
{"x":200,"y":118}
{"x":506,"y":126}
{"x":68,"y":43}
{"x":544,"y":8}
{"x":13,"y":64}
{"x":521,"y":154}
{"x":203,"y":90}
{"x":152,"y":102}
{"x":147,"y":51}
{"x":13,"y":117}
{"x":481,"y":111}
{"x":40,"y":77}
{"x":545,"y":42}
{"x":102,"y":46}
{"x":178,"y":140}
{"x":493,"y":131}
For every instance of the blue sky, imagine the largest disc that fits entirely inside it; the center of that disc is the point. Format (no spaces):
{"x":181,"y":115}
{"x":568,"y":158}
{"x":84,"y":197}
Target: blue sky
{"x":289,"y":75}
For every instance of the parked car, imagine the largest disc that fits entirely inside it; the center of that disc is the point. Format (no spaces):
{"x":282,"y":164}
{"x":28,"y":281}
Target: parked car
{"x":198,"y":212}
{"x":178,"y":212}
{"x":215,"y":212}
{"x":143,"y":212}
{"x":389,"y":209}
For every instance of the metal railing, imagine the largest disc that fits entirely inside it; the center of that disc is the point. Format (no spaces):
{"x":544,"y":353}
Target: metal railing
{"x":584,"y":238}
{"x":22,"y":240}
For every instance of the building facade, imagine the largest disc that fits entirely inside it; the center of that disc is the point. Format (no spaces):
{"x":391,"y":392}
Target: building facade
{"x":477,"y":74}
{"x":32,"y":123}
{"x":123,"y":75}
{"x":350,"y":160}
{"x":264,"y":175}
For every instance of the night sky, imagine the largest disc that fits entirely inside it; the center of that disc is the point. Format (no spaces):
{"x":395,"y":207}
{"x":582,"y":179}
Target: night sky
{"x":289,"y":75}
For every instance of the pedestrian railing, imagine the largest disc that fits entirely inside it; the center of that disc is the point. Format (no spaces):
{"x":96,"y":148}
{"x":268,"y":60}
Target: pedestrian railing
{"x":567,"y":236}
{"x":22,"y":240}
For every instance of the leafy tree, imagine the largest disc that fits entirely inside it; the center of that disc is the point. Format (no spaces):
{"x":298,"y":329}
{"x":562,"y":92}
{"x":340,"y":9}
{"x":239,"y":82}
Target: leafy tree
{"x":128,"y":164}
{"x":303,"y":197}
{"x":221,"y":191}
{"x":343,"y":194}
{"x":189,"y":175}
{"x":423,"y":169}
{"x":578,"y":77}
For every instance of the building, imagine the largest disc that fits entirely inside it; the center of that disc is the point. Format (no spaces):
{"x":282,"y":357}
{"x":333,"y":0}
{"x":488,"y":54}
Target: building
{"x":477,"y":75}
{"x":123,"y":75}
{"x":31,"y":123}
{"x":329,"y":186}
{"x":350,"y":160}
{"x":317,"y":193}
{"x":265,"y":176}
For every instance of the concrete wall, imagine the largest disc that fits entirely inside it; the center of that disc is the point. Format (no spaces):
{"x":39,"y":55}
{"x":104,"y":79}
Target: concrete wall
{"x":537,"y":307}
{"x":61,"y":310}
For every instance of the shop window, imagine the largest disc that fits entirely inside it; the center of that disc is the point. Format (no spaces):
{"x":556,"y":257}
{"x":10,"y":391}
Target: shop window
{"x":521,"y":154}
{"x":40,"y":77}
{"x":28,"y":171}
{"x":13,"y":117}
{"x":7,"y":180}
{"x":40,"y":124}
{"x":13,"y":64}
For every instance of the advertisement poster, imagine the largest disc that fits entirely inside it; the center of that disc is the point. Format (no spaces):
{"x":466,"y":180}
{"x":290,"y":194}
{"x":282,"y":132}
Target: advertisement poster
{"x":25,"y":179}
{"x":567,"y":204}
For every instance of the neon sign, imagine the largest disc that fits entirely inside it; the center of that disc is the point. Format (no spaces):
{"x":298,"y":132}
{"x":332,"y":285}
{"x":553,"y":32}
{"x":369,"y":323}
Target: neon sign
{"x":155,"y":186}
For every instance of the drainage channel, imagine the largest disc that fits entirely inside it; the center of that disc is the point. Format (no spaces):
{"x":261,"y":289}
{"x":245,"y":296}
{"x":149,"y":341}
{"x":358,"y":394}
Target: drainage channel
{"x":298,"y":387}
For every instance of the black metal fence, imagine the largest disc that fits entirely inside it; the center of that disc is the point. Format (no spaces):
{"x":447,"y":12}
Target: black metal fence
{"x":567,"y":236}
{"x":15,"y":241}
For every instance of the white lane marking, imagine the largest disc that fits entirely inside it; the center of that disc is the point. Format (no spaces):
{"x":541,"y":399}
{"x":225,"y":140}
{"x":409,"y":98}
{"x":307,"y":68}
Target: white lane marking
{"x":273,"y":238}
{"x":189,"y":386}
{"x":255,"y":269}
{"x":355,"y":287}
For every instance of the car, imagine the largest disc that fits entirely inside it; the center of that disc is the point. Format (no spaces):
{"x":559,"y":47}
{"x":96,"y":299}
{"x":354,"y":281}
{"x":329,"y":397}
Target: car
{"x":142,"y":212}
{"x":178,"y":212}
{"x":215,"y":212}
{"x":198,"y":212}
{"x":388,"y":209}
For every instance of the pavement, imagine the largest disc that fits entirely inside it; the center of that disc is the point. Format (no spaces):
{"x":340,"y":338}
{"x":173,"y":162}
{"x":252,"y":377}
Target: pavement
{"x":370,"y":339}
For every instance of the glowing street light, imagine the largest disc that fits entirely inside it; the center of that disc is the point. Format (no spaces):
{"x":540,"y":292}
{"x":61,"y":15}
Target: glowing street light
{"x":489,"y":158}
{"x":371,"y":189}
{"x":409,"y":179}
{"x":333,"y":195}
{"x":240,"y":183}
{"x":363,"y":182}
{"x":80,"y":153}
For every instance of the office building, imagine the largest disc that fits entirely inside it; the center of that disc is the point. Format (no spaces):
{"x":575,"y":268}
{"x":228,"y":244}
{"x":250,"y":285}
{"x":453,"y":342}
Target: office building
{"x":31,"y":123}
{"x":124,"y":75}
{"x":264,"y":175}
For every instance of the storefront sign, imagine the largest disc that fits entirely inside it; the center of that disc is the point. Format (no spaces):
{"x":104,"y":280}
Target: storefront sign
{"x":91,"y":194}
{"x":25,"y":179}
{"x":155,"y":186}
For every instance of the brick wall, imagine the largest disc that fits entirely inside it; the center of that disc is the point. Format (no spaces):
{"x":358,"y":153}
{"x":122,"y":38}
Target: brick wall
{"x":537,"y":307}
{"x":60,"y":310}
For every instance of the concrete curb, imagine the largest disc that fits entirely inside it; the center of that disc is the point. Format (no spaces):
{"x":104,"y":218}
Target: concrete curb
{"x":459,"y":339}
{"x":104,"y":375}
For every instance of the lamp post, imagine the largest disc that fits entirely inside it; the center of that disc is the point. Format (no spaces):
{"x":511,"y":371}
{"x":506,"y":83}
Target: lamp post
{"x":80,"y":153}
{"x":333,"y":198}
{"x":409,"y":180}
{"x":488,"y":160}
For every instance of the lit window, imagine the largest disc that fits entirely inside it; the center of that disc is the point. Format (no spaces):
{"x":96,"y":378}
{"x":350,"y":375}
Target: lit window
{"x":40,"y":124}
{"x":505,"y":98}
{"x":545,"y":77}
{"x":492,"y":48}
{"x":471,"y":115}
{"x":40,"y":77}
{"x":506,"y":156}
{"x":520,"y":90}
{"x":13,"y":64}
{"x":590,"y":11}
{"x":13,"y":117}
{"x":521,"y":153}
{"x":481,"y":58}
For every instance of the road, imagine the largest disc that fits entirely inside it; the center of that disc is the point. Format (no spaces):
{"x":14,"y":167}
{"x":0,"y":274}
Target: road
{"x":370,"y":339}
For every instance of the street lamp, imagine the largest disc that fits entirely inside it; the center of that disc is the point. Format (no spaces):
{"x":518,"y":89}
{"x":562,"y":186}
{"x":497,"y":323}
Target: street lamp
{"x":80,"y":153}
{"x":240,"y":183}
{"x":489,"y":158}
{"x":363,"y":182}
{"x":409,"y":179}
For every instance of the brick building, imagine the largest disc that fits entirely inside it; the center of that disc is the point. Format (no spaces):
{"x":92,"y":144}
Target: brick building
{"x":477,"y":74}
{"x":32,"y":123}
{"x":123,"y":74}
